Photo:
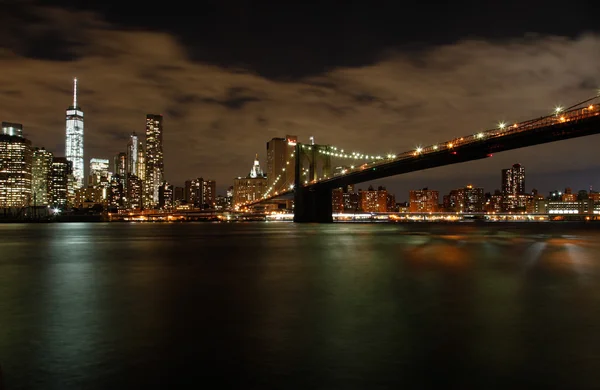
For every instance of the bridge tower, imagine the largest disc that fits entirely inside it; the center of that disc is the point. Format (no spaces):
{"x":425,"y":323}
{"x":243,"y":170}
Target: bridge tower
{"x":312,"y":203}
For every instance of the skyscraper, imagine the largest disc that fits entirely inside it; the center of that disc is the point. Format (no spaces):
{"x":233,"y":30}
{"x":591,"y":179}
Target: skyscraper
{"x":74,"y":143}
{"x":251,"y":187}
{"x":98,"y":170}
{"x":165,"y":196}
{"x":133,"y":147}
{"x":513,"y":187}
{"x":15,"y":171}
{"x":12,"y":129}
{"x":513,"y":180}
{"x":120,"y":165}
{"x":193,"y":191}
{"x":141,"y":162}
{"x":279,"y":151}
{"x":154,"y":158}
{"x":42,"y":164}
{"x":58,"y":182}
{"x":134,"y":192}
{"x":209,"y":193}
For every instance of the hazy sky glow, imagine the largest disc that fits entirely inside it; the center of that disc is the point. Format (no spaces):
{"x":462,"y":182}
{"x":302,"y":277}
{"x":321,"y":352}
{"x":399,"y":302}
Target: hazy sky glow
{"x":218,"y":115}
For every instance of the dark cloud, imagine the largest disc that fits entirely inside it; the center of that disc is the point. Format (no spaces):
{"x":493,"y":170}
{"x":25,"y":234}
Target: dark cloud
{"x":290,"y":40}
{"x":218,"y":117}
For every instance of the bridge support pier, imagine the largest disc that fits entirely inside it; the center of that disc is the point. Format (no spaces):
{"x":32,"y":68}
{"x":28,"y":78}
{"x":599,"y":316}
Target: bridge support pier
{"x":312,"y":205}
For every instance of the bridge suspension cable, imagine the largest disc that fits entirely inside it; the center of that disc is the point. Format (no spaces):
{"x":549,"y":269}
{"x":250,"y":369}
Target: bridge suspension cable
{"x":279,"y":177}
{"x":559,"y":115}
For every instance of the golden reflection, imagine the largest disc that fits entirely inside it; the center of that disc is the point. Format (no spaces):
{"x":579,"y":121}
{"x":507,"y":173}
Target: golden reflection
{"x":450,"y":254}
{"x":445,"y":250}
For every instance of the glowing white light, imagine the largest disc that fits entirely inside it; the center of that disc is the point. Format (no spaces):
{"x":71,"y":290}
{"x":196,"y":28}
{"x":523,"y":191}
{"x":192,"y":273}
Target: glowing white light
{"x":558,"y":109}
{"x":501,"y":125}
{"x":480,"y":135}
{"x":419,"y":149}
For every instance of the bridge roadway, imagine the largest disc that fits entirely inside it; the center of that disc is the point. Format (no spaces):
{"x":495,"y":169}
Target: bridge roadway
{"x":312,"y":202}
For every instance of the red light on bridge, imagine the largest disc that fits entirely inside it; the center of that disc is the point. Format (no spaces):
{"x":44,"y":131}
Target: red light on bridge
{"x":490,"y":155}
{"x":453,"y":152}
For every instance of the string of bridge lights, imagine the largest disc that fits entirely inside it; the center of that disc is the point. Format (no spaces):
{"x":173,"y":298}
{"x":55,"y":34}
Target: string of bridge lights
{"x":266,"y":194}
{"x":335,"y":151}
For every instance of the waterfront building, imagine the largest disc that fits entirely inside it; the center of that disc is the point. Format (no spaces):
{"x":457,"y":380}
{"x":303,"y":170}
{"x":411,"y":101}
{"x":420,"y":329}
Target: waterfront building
{"x":179,"y":195}
{"x":40,"y":171}
{"x":134,"y":192}
{"x":193,"y":191}
{"x":209,"y":189}
{"x":223,"y":203}
{"x":578,"y":207}
{"x":15,"y":171}
{"x":493,"y":202}
{"x":154,"y":159}
{"x":337,"y":200}
{"x":473,"y":199}
{"x":61,"y":175}
{"x":88,"y":197}
{"x":116,"y":193}
{"x":568,"y":195}
{"x":372,"y":200}
{"x":423,"y":201}
{"x":249,"y":188}
{"x":513,"y":188}
{"x":74,"y":140}
{"x":165,"y":196}
{"x":99,"y":171}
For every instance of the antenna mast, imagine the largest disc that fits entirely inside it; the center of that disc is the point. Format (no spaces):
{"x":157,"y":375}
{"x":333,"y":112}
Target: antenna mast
{"x":75,"y":92}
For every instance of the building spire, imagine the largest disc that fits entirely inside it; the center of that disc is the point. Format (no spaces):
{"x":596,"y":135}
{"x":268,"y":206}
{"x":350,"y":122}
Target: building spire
{"x":75,"y":92}
{"x":256,"y":171}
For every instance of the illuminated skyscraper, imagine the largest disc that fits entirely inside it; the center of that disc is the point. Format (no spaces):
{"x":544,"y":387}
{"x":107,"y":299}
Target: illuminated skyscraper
{"x":133,"y":149}
{"x":74,"y":144}
{"x":154,"y":159}
{"x":42,"y":164}
{"x":141,"y":162}
{"x":15,"y":171}
{"x":165,"y":196}
{"x":513,"y":187}
{"x":98,"y":170}
{"x":209,"y":193}
{"x":12,"y":129}
{"x":58,"y":182}
{"x":134,"y":192}
{"x":120,"y":165}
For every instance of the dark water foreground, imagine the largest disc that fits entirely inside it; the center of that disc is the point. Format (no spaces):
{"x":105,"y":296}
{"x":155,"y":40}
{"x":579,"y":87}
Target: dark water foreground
{"x":286,"y":306}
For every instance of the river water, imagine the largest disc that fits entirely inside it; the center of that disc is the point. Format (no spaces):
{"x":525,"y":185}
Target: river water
{"x":292,"y":306}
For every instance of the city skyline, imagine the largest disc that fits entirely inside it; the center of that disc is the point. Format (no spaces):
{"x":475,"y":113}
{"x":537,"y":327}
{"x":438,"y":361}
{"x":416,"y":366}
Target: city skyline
{"x":218,"y":116}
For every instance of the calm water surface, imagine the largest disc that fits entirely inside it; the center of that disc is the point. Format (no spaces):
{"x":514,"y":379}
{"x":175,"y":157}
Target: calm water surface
{"x":287,"y":306}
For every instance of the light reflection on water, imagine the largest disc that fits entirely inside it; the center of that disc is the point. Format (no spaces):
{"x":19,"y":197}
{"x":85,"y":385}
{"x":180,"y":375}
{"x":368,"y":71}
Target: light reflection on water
{"x":264,"y":305}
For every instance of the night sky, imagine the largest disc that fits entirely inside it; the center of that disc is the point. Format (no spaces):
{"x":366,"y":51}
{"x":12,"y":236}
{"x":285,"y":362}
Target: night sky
{"x":371,"y":76}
